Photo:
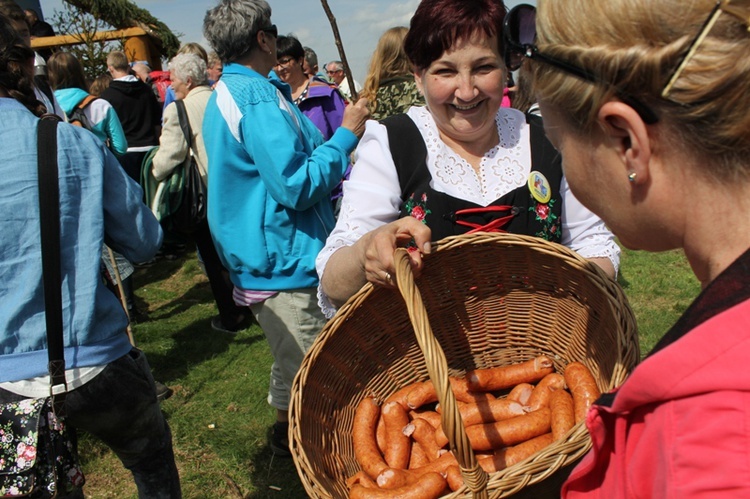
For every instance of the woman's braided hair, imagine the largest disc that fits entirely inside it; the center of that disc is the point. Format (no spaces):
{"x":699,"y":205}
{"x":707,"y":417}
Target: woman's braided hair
{"x":16,"y":70}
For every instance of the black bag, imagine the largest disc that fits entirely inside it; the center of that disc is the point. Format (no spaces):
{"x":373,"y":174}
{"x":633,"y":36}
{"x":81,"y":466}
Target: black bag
{"x":38,"y":454}
{"x":187,"y":193}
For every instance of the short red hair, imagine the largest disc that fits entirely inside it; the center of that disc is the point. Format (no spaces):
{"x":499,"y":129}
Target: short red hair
{"x":437,"y":24}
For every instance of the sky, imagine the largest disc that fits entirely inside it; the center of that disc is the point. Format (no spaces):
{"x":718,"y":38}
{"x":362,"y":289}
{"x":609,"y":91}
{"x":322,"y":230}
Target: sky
{"x":360,"y":23}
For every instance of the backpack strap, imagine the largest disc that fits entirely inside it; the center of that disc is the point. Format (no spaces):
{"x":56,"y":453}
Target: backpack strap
{"x":408,"y":149}
{"x":85,"y":102}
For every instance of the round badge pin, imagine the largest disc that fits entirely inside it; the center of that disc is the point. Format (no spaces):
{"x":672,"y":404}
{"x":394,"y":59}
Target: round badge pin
{"x":539,"y":187}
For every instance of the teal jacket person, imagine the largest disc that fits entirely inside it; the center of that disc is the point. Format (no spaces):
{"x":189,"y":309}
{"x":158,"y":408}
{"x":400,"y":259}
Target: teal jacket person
{"x":269,"y":231}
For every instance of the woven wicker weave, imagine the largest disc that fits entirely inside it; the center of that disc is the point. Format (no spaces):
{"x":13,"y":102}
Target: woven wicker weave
{"x":491,"y":299}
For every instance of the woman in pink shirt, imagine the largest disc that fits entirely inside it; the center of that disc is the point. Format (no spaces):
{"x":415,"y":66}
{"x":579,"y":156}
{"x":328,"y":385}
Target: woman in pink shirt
{"x":649,"y":104}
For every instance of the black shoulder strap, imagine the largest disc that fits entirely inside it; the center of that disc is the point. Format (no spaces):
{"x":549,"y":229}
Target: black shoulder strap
{"x":407,"y":146}
{"x":542,"y":150}
{"x":182,"y":117}
{"x":49,"y":214}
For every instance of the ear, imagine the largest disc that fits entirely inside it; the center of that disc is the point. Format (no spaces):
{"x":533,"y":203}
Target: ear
{"x":262,"y":38}
{"x":628,"y":137}
{"x":418,"y":75}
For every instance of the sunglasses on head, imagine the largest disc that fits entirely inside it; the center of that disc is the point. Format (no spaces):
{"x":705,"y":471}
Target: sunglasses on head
{"x":271,"y":30}
{"x":519,"y":34}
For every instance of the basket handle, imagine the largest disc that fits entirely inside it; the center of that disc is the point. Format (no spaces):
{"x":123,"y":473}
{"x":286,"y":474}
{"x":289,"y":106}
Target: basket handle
{"x":437,"y":367}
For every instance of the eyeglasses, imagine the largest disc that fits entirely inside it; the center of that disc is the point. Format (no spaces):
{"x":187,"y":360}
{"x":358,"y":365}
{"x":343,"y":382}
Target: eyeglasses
{"x":284,"y":61}
{"x":519,"y":34}
{"x":721,"y":6}
{"x":333,"y":71}
{"x":271,"y":30}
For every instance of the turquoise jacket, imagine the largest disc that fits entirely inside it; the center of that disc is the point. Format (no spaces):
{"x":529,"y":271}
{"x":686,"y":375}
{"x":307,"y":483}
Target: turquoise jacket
{"x":270,"y":177}
{"x":102,"y":116}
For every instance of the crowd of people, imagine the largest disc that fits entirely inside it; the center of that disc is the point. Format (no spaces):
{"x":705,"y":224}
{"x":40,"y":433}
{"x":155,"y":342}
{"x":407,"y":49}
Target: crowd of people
{"x":311,"y":186}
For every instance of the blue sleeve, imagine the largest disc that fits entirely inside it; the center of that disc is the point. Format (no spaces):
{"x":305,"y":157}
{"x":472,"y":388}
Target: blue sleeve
{"x":296,"y":176}
{"x":113,"y":129}
{"x":130,"y":227}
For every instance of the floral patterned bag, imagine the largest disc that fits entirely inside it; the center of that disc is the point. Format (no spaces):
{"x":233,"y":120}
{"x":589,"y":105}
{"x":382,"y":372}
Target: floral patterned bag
{"x":37,"y":455}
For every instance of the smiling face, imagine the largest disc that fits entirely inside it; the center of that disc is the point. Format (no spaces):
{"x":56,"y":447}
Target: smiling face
{"x":463,"y":89}
{"x":289,"y":69}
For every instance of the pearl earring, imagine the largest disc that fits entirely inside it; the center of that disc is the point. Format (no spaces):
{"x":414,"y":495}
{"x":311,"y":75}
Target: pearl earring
{"x":632,"y":176}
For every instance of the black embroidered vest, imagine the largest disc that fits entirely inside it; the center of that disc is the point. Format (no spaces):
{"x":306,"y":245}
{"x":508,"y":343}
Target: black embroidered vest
{"x":447,"y":215}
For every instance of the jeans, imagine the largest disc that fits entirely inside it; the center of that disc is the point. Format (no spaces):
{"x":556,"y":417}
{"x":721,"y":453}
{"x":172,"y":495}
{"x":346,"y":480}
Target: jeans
{"x":119,"y":407}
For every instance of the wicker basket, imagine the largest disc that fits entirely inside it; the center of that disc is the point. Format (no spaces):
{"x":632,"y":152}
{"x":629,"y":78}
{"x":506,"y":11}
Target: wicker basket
{"x":491,"y":299}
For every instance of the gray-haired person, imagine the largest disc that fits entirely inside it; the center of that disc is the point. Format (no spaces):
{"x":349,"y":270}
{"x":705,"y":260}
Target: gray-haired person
{"x":269,"y":190}
{"x":190,"y":84}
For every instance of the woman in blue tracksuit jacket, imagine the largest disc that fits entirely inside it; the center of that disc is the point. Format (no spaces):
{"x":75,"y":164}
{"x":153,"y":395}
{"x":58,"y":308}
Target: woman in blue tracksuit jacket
{"x":270,"y":179}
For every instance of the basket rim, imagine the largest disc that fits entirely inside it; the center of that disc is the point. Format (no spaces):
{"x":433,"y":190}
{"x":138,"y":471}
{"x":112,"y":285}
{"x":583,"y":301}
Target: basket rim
{"x":514,"y":478}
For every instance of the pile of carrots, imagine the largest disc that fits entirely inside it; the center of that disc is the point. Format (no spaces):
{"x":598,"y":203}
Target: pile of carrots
{"x":401,"y":447}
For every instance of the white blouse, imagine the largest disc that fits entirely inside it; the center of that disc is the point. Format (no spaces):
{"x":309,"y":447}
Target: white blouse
{"x":372,"y":195}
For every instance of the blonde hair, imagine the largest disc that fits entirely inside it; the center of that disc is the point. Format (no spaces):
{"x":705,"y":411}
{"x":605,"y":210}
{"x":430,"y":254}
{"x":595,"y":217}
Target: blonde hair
{"x":194,"y":48}
{"x":635,"y":45}
{"x":388,"y":60}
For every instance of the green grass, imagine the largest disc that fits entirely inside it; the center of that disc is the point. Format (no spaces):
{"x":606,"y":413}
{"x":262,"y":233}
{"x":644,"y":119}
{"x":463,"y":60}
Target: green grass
{"x":218,"y":413}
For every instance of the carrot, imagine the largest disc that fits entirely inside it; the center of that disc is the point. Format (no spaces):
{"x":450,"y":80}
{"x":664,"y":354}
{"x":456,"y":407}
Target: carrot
{"x":427,"y":394}
{"x":363,"y":437}
{"x":362,"y":478}
{"x":540,"y":396}
{"x":509,"y":456}
{"x":428,"y":486}
{"x":498,"y":378}
{"x":424,"y":434}
{"x":521,"y":393}
{"x":398,"y":445}
{"x":506,"y":432}
{"x":563,"y":413}
{"x":583,"y":387}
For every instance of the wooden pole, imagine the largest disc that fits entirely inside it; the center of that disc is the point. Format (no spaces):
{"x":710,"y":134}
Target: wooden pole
{"x":340,"y":47}
{"x":121,"y":289}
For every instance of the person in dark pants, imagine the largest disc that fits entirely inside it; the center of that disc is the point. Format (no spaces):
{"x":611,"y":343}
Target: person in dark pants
{"x":190,"y":84}
{"x":110,"y":389}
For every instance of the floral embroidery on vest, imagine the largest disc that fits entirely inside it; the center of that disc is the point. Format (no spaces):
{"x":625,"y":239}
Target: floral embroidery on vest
{"x":550,"y":222}
{"x":418,"y":209}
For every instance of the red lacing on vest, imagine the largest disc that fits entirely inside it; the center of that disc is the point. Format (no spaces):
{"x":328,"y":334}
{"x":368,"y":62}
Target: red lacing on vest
{"x":496,"y":225}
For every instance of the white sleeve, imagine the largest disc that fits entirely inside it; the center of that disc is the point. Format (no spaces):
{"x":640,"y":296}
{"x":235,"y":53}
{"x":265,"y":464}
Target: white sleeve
{"x":584,"y":232}
{"x":372,"y":198}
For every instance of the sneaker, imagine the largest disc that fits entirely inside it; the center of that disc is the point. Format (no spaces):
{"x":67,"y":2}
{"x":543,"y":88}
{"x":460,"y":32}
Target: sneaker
{"x":279,"y":439}
{"x":163,"y":392}
{"x":218,"y":326}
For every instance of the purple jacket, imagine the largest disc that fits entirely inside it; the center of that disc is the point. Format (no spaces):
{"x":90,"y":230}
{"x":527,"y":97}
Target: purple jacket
{"x":324,"y":105}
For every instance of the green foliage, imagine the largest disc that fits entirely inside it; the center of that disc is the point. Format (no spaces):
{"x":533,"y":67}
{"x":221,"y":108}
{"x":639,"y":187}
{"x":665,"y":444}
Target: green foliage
{"x":91,"y":53}
{"x":126,"y":14}
{"x":218,"y":413}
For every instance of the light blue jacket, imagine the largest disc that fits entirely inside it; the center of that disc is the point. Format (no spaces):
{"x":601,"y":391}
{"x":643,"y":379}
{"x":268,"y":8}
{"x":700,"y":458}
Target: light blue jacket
{"x":103,"y":118}
{"x":270,"y":177}
{"x":98,"y":202}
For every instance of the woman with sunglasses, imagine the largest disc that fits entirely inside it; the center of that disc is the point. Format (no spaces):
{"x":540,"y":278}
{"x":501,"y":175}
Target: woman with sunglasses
{"x":270,"y":177}
{"x":657,"y":141}
{"x":460,"y":164}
